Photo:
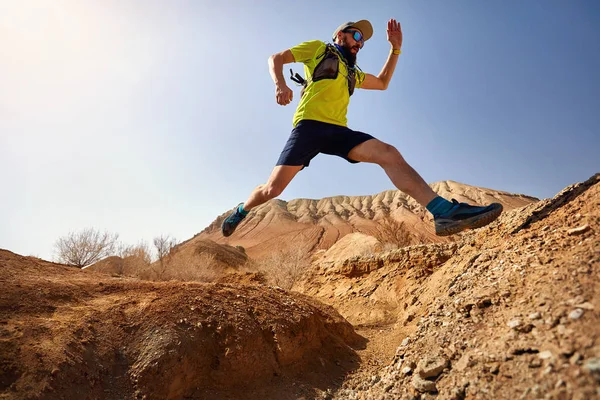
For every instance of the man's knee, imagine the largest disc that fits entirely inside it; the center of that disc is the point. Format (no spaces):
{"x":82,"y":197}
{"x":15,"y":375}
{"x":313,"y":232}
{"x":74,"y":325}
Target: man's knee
{"x":390,"y":156}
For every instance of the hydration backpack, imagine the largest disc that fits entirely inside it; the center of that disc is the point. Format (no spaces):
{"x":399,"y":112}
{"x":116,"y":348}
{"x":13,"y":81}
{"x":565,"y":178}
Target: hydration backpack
{"x":328,"y":68}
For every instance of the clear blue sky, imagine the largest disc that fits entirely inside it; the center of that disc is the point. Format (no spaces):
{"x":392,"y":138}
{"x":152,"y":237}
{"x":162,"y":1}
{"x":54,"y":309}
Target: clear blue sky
{"x":153,"y":117}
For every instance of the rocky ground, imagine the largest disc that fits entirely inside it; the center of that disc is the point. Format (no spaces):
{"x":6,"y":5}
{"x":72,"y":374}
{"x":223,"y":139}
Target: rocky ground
{"x":507,"y":311}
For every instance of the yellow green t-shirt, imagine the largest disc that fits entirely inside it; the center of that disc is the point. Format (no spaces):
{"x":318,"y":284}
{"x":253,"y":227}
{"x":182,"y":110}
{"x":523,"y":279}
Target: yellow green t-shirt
{"x":327,"y":99}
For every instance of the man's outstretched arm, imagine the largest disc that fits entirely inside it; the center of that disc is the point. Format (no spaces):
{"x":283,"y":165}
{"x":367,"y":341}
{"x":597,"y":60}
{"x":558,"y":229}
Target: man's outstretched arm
{"x":381,"y":81}
{"x":283,"y":94}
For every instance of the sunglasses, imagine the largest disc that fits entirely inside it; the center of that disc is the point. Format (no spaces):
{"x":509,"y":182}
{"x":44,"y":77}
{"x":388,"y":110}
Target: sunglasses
{"x":356,"y":35}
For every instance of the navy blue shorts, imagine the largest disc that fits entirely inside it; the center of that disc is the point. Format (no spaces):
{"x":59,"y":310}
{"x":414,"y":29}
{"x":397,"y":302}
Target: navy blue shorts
{"x":310,"y":138}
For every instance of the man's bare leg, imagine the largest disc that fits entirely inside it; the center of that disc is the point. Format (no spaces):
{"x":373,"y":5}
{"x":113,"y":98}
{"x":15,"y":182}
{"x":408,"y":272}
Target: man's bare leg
{"x":402,"y":175}
{"x":449,"y":218}
{"x":280,"y":177}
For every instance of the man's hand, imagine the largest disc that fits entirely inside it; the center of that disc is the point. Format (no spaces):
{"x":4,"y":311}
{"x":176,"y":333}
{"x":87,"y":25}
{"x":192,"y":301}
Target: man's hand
{"x":394,"y":34}
{"x":284,"y":95}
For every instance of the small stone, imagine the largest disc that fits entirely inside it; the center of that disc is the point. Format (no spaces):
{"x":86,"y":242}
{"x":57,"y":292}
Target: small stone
{"x":398,"y":365}
{"x":576,"y":313}
{"x":585,"y":306}
{"x":575,"y":358}
{"x":576,"y":300}
{"x":535,"y":315}
{"x":579,"y":230}
{"x":535,"y":363}
{"x":423,"y":385}
{"x":405,"y":342}
{"x":545,"y":355}
{"x":592,"y":365}
{"x":563,"y":330}
{"x":431,"y":367}
{"x":406,"y":370}
{"x":514,"y":324}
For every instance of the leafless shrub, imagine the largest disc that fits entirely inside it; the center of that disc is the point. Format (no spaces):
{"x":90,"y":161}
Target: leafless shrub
{"x":80,"y":249}
{"x":392,"y":234}
{"x":199,"y":268}
{"x":140,"y":250}
{"x":284,"y":267}
{"x":164,"y":245}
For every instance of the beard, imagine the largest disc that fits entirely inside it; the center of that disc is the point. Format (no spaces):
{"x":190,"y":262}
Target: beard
{"x":350,"y":56}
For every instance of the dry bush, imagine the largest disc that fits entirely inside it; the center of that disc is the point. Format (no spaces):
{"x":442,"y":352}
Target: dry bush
{"x":140,"y":250}
{"x":392,"y":234}
{"x":283,"y":267}
{"x":80,"y":249}
{"x":164,"y":245}
{"x":202,"y":268}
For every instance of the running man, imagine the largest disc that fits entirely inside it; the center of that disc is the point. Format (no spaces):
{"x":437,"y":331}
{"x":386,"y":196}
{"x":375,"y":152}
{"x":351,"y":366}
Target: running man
{"x":320,"y":126}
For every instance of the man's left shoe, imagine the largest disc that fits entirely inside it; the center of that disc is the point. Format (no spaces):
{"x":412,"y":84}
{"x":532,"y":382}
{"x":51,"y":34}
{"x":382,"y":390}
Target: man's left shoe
{"x":232,"y":221}
{"x":464,"y":216}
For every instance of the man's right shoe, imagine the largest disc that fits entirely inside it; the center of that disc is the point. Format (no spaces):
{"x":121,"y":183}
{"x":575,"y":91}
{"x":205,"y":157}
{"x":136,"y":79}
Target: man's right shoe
{"x":464,"y":216}
{"x":232,"y":221}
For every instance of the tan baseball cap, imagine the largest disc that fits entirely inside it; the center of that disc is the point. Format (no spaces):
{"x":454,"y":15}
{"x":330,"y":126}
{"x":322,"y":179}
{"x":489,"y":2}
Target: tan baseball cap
{"x":363,"y":25}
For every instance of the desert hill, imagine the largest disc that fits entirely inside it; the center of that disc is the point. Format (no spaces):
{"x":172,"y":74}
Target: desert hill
{"x":319,"y":224}
{"x":507,"y":311}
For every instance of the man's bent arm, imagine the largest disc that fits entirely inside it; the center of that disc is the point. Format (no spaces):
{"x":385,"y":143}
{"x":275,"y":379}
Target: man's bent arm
{"x":276,"y":62}
{"x":381,"y":81}
{"x":283,"y":94}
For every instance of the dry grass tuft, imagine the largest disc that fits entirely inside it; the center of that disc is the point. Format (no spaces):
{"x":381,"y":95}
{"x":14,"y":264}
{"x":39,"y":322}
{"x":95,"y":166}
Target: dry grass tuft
{"x":392,"y":234}
{"x":284,"y":267}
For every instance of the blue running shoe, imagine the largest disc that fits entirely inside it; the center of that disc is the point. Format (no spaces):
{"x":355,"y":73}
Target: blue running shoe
{"x":232,"y":221}
{"x":464,"y":216}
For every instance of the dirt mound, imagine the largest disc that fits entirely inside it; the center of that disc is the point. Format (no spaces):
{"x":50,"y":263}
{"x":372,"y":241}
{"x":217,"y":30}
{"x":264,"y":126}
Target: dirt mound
{"x":65,"y":332}
{"x":244,"y":278}
{"x":351,"y":245}
{"x":319,"y":224}
{"x":510,"y":310}
{"x":199,"y":260}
